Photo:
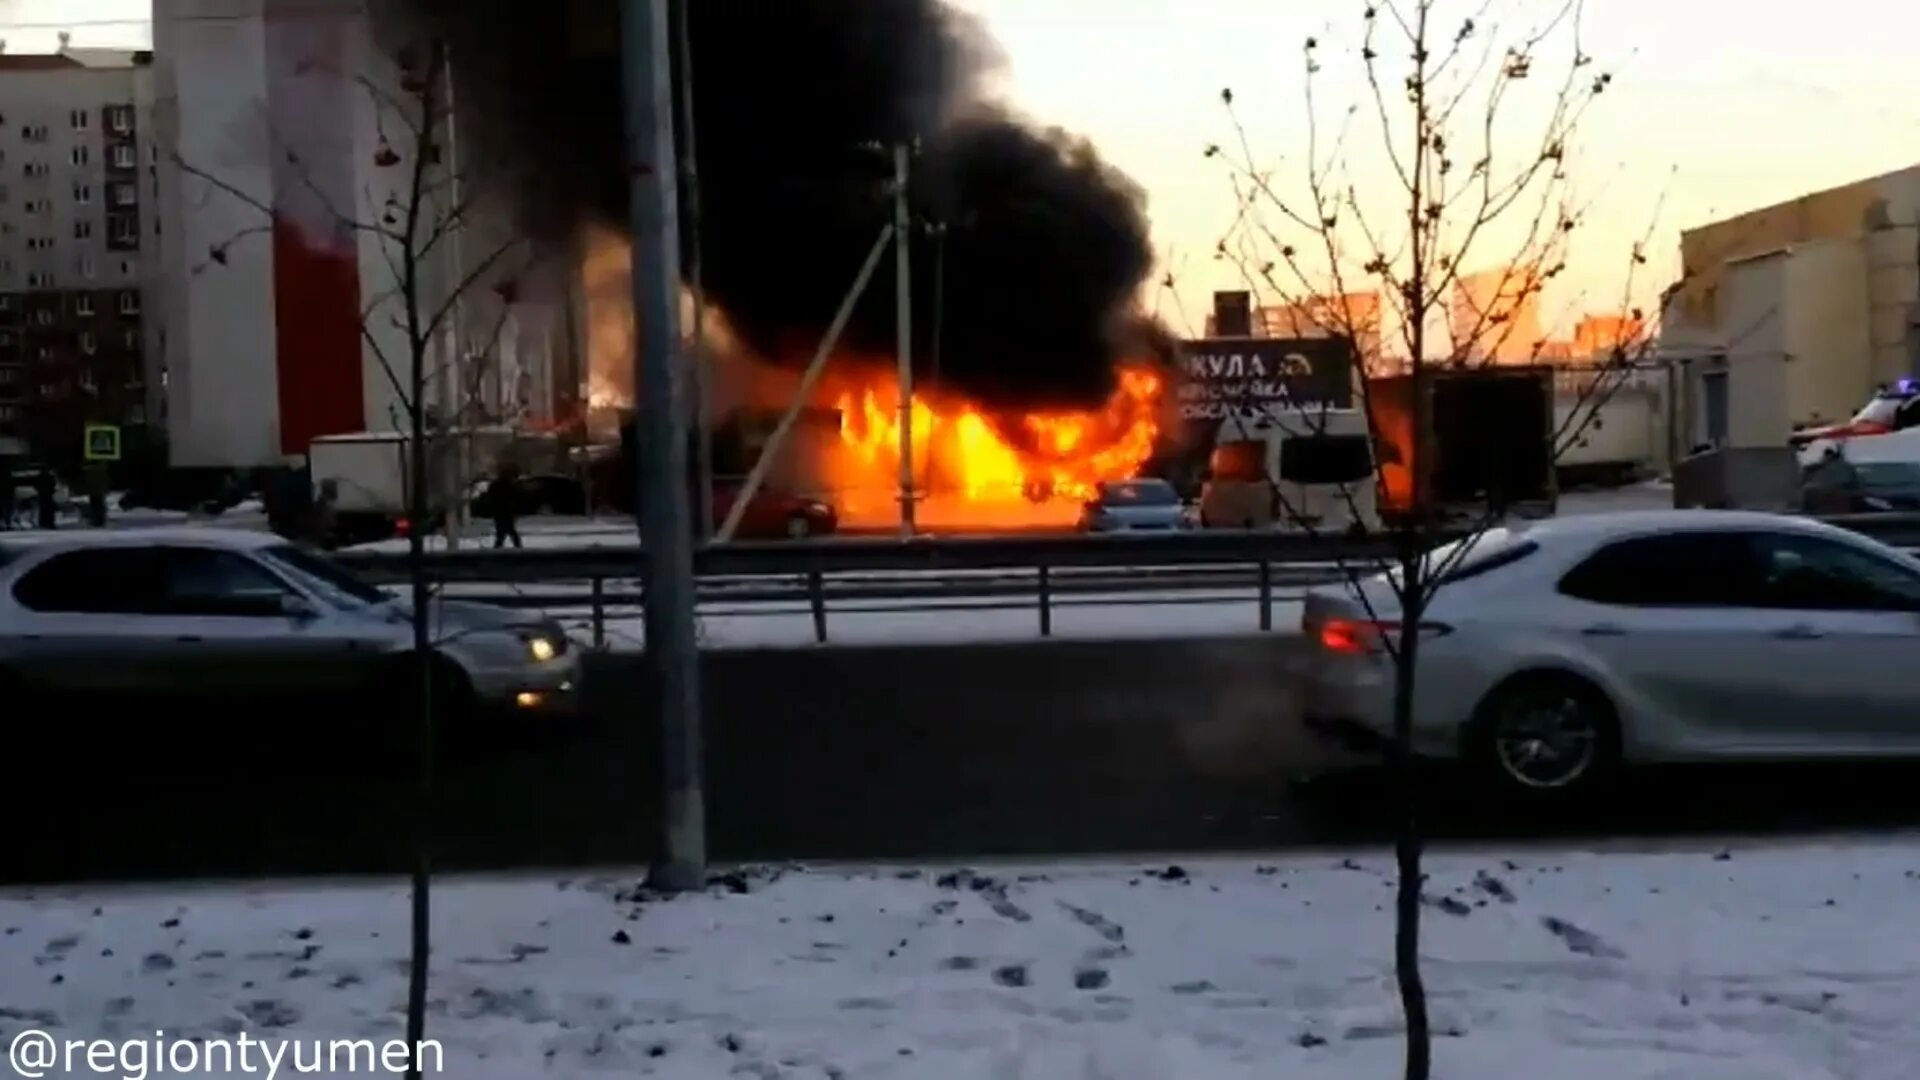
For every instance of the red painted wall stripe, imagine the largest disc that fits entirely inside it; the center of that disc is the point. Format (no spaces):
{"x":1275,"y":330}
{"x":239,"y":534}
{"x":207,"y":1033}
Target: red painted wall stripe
{"x":311,"y":108}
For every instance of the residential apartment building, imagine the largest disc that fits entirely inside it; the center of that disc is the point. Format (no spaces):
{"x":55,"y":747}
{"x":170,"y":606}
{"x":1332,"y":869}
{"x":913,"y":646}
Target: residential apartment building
{"x":76,"y":243}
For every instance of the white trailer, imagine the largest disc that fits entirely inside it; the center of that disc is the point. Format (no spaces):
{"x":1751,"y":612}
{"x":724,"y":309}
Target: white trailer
{"x":1615,"y":432}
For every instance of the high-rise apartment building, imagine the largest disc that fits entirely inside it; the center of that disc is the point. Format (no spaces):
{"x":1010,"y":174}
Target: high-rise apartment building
{"x":77,"y":241}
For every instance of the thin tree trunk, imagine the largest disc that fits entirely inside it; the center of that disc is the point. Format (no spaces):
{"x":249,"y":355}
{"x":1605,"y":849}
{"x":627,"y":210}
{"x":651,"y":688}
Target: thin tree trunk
{"x":419,"y":510}
{"x":1409,"y":842}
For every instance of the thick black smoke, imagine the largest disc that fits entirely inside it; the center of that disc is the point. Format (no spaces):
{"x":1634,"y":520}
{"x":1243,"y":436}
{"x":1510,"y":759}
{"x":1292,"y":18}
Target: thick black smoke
{"x":795,"y":100}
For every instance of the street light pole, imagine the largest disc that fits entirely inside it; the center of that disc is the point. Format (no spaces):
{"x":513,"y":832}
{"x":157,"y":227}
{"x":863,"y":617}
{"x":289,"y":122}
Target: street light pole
{"x":903,"y":281}
{"x":666,"y":530}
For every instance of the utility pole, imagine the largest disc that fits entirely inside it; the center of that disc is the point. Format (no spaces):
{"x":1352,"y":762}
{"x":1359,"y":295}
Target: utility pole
{"x":903,"y":281}
{"x":666,"y":528}
{"x":690,"y":182}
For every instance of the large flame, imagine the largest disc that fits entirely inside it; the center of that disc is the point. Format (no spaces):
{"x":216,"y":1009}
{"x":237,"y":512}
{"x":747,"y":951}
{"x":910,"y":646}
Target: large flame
{"x":976,"y":469}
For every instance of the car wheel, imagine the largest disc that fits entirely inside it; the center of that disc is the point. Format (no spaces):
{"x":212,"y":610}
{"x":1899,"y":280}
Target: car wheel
{"x":799,"y":527}
{"x":1546,"y":733}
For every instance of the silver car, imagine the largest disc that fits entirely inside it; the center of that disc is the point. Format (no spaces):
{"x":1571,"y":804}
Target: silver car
{"x":1552,"y":653}
{"x":230,"y":614}
{"x":1134,"y":506}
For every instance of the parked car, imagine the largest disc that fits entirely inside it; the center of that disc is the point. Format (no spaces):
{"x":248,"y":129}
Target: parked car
{"x":223,"y":615}
{"x":1554,"y":653}
{"x":773,"y":514}
{"x":1146,"y":505}
{"x":1843,"y":484}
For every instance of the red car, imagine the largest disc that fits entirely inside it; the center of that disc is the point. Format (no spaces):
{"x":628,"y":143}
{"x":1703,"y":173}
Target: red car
{"x":772,"y":515}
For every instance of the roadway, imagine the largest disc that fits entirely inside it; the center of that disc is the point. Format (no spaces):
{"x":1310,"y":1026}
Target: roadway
{"x":893,"y":753}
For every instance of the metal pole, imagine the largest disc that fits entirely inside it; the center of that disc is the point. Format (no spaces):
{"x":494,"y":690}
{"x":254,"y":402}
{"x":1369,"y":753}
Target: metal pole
{"x":690,"y":184}
{"x":666,"y":532}
{"x":758,"y":473}
{"x":903,"y":284}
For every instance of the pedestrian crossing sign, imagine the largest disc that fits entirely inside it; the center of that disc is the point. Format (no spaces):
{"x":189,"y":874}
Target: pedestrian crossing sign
{"x":103,"y":442}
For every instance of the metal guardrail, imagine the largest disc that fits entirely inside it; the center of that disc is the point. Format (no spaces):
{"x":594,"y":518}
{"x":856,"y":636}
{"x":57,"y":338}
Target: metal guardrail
{"x":995,"y":572}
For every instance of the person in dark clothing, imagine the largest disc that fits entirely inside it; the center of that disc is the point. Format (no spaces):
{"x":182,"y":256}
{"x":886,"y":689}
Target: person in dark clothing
{"x":43,"y":488}
{"x":503,"y":506}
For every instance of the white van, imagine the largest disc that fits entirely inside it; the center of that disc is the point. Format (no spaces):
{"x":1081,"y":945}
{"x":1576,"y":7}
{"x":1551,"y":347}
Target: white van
{"x":1297,"y":470}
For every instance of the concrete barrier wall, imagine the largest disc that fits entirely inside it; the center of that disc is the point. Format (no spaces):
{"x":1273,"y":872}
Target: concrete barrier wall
{"x":1070,"y":745}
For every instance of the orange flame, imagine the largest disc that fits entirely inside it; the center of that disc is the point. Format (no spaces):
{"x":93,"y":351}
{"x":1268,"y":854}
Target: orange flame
{"x":978,"y":469}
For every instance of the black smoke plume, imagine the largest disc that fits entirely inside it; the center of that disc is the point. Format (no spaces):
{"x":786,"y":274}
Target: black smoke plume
{"x":796,"y":105}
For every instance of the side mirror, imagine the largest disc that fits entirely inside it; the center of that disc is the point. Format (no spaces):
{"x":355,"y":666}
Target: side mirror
{"x":298,"y":608}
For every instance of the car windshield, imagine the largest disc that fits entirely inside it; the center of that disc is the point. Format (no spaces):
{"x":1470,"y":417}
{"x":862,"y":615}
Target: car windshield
{"x":324,"y":576}
{"x":1464,"y":556}
{"x":1139,"y":493}
{"x":1882,"y":410}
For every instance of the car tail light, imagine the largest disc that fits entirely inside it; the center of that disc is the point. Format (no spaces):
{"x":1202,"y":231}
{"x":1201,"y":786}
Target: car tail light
{"x":1361,"y":637}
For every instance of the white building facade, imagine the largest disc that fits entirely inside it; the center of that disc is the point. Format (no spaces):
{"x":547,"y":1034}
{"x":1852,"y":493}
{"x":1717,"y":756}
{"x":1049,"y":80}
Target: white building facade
{"x":286,"y":162}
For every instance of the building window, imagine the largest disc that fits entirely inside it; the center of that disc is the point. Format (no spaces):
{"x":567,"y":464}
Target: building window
{"x":8,"y":412}
{"x":130,"y":340}
{"x":37,"y":207}
{"x":9,"y":376}
{"x":89,"y":344}
{"x":120,"y":118}
{"x":79,"y":119}
{"x":123,"y":231}
{"x":85,"y":267}
{"x":37,"y":279}
{"x":34,"y":133}
{"x":39,"y":243}
{"x":45,"y":353}
{"x":6,"y":339}
{"x":83,"y":230}
{"x":125,"y":268}
{"x":83,"y":304}
{"x":82,"y":194}
{"x":125,"y":194}
{"x":34,"y":169}
{"x":44,"y":317}
{"x":123,"y":156}
{"x":80,"y":155}
{"x":129,"y":303}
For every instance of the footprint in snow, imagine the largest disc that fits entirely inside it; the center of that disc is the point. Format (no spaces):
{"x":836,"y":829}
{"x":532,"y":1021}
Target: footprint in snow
{"x":1583,"y":942}
{"x":1096,"y":922}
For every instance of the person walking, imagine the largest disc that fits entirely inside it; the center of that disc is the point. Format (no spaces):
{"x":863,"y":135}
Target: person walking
{"x":503,"y":506}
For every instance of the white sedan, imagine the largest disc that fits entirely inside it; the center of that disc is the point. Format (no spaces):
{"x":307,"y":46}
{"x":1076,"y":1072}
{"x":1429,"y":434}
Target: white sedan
{"x":1553,"y":653}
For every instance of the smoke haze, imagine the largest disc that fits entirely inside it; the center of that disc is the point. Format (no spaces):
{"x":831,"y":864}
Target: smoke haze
{"x":796,"y":101}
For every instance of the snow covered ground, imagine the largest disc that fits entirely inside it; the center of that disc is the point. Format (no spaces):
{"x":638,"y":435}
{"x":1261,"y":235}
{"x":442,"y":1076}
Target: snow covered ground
{"x":1763,"y":963}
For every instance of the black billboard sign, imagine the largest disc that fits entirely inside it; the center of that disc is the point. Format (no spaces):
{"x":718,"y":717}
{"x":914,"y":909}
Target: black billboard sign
{"x":1222,"y":377}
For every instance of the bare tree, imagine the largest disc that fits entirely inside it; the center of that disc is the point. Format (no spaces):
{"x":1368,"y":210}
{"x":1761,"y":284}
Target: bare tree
{"x":1474,"y":115}
{"x":416,"y":211}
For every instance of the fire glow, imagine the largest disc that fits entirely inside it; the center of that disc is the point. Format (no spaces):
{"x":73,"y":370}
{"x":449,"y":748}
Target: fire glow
{"x":978,"y":469}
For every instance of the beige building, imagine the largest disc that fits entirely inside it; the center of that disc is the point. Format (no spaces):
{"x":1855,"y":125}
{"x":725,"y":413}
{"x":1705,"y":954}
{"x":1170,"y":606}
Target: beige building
{"x":1494,"y":316}
{"x":77,"y":243}
{"x":1793,"y":314}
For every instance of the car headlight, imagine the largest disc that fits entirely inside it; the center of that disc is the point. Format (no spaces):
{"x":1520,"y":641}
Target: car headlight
{"x":543,"y":647}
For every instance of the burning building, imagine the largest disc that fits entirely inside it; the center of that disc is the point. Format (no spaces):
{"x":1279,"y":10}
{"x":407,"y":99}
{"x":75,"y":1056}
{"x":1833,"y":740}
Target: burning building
{"x":1035,"y":374}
